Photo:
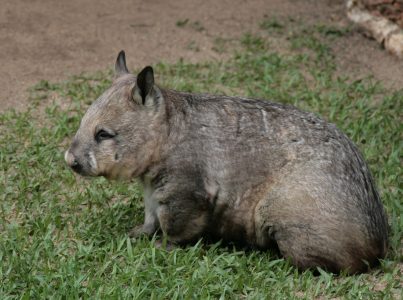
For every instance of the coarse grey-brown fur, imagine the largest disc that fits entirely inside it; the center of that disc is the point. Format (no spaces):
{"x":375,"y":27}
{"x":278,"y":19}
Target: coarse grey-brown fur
{"x":241,"y":170}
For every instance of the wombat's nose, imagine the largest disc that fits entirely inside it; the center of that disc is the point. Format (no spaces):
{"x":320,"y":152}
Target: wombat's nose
{"x":71,"y":161}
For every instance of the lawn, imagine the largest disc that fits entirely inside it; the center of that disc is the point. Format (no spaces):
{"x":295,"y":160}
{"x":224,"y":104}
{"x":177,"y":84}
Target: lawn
{"x":65,"y":237}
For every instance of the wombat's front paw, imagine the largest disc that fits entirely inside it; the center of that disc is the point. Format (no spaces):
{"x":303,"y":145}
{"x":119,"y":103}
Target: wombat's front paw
{"x":166,"y":245}
{"x":136,"y":231}
{"x":141,"y":230}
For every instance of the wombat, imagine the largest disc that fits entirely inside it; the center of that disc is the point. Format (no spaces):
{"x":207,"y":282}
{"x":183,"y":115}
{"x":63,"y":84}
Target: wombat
{"x":241,"y":170}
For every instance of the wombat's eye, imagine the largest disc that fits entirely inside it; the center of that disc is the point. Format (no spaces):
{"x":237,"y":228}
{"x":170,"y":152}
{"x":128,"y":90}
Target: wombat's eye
{"x":103,"y":135}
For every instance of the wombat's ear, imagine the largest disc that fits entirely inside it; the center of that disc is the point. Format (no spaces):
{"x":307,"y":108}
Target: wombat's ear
{"x":143,"y":92}
{"x":120,"y":65}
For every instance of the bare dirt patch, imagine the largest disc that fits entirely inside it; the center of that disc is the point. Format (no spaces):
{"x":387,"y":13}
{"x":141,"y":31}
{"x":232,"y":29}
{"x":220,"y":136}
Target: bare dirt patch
{"x":51,"y":40}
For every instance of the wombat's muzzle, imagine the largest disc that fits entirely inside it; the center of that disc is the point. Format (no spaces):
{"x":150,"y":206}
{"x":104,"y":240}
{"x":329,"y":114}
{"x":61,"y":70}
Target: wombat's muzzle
{"x":72,"y":162}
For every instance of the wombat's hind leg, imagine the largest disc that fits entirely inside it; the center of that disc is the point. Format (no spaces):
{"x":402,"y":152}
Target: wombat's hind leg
{"x":309,"y":248}
{"x":305,"y":250}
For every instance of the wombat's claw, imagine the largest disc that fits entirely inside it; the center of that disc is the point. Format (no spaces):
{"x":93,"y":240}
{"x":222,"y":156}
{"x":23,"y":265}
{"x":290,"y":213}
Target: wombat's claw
{"x":137,"y":231}
{"x":166,"y":246}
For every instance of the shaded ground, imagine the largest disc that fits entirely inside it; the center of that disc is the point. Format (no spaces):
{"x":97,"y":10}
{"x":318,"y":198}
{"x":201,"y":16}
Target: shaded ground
{"x":52,"y":40}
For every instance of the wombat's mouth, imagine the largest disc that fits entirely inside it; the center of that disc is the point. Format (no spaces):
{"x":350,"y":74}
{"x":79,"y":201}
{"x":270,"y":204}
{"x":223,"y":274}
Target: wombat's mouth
{"x":84,"y":173}
{"x":80,"y":167}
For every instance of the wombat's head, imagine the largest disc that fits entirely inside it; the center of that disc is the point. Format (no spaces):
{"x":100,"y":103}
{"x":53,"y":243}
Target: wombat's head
{"x":121,"y":133}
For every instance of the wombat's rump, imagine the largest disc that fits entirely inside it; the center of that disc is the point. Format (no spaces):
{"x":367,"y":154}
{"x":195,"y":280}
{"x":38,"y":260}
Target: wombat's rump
{"x":242,"y":170}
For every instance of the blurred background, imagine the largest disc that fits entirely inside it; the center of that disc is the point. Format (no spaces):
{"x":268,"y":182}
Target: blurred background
{"x":51,"y":40}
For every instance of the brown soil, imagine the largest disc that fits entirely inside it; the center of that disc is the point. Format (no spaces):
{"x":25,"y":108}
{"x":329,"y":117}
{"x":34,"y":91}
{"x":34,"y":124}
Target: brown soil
{"x":51,"y":40}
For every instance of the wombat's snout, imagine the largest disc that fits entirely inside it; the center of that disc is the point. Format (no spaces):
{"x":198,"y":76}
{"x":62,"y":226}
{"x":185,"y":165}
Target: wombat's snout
{"x":72,"y":162}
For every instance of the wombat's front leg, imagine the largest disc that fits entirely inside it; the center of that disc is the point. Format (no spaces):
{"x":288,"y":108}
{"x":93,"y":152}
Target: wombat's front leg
{"x":176,"y":209}
{"x":181,"y":222}
{"x":144,"y":229}
{"x":151,"y":224}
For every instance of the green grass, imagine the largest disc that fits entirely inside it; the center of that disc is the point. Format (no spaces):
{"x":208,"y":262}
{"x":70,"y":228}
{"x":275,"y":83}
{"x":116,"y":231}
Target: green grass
{"x":63,"y":237}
